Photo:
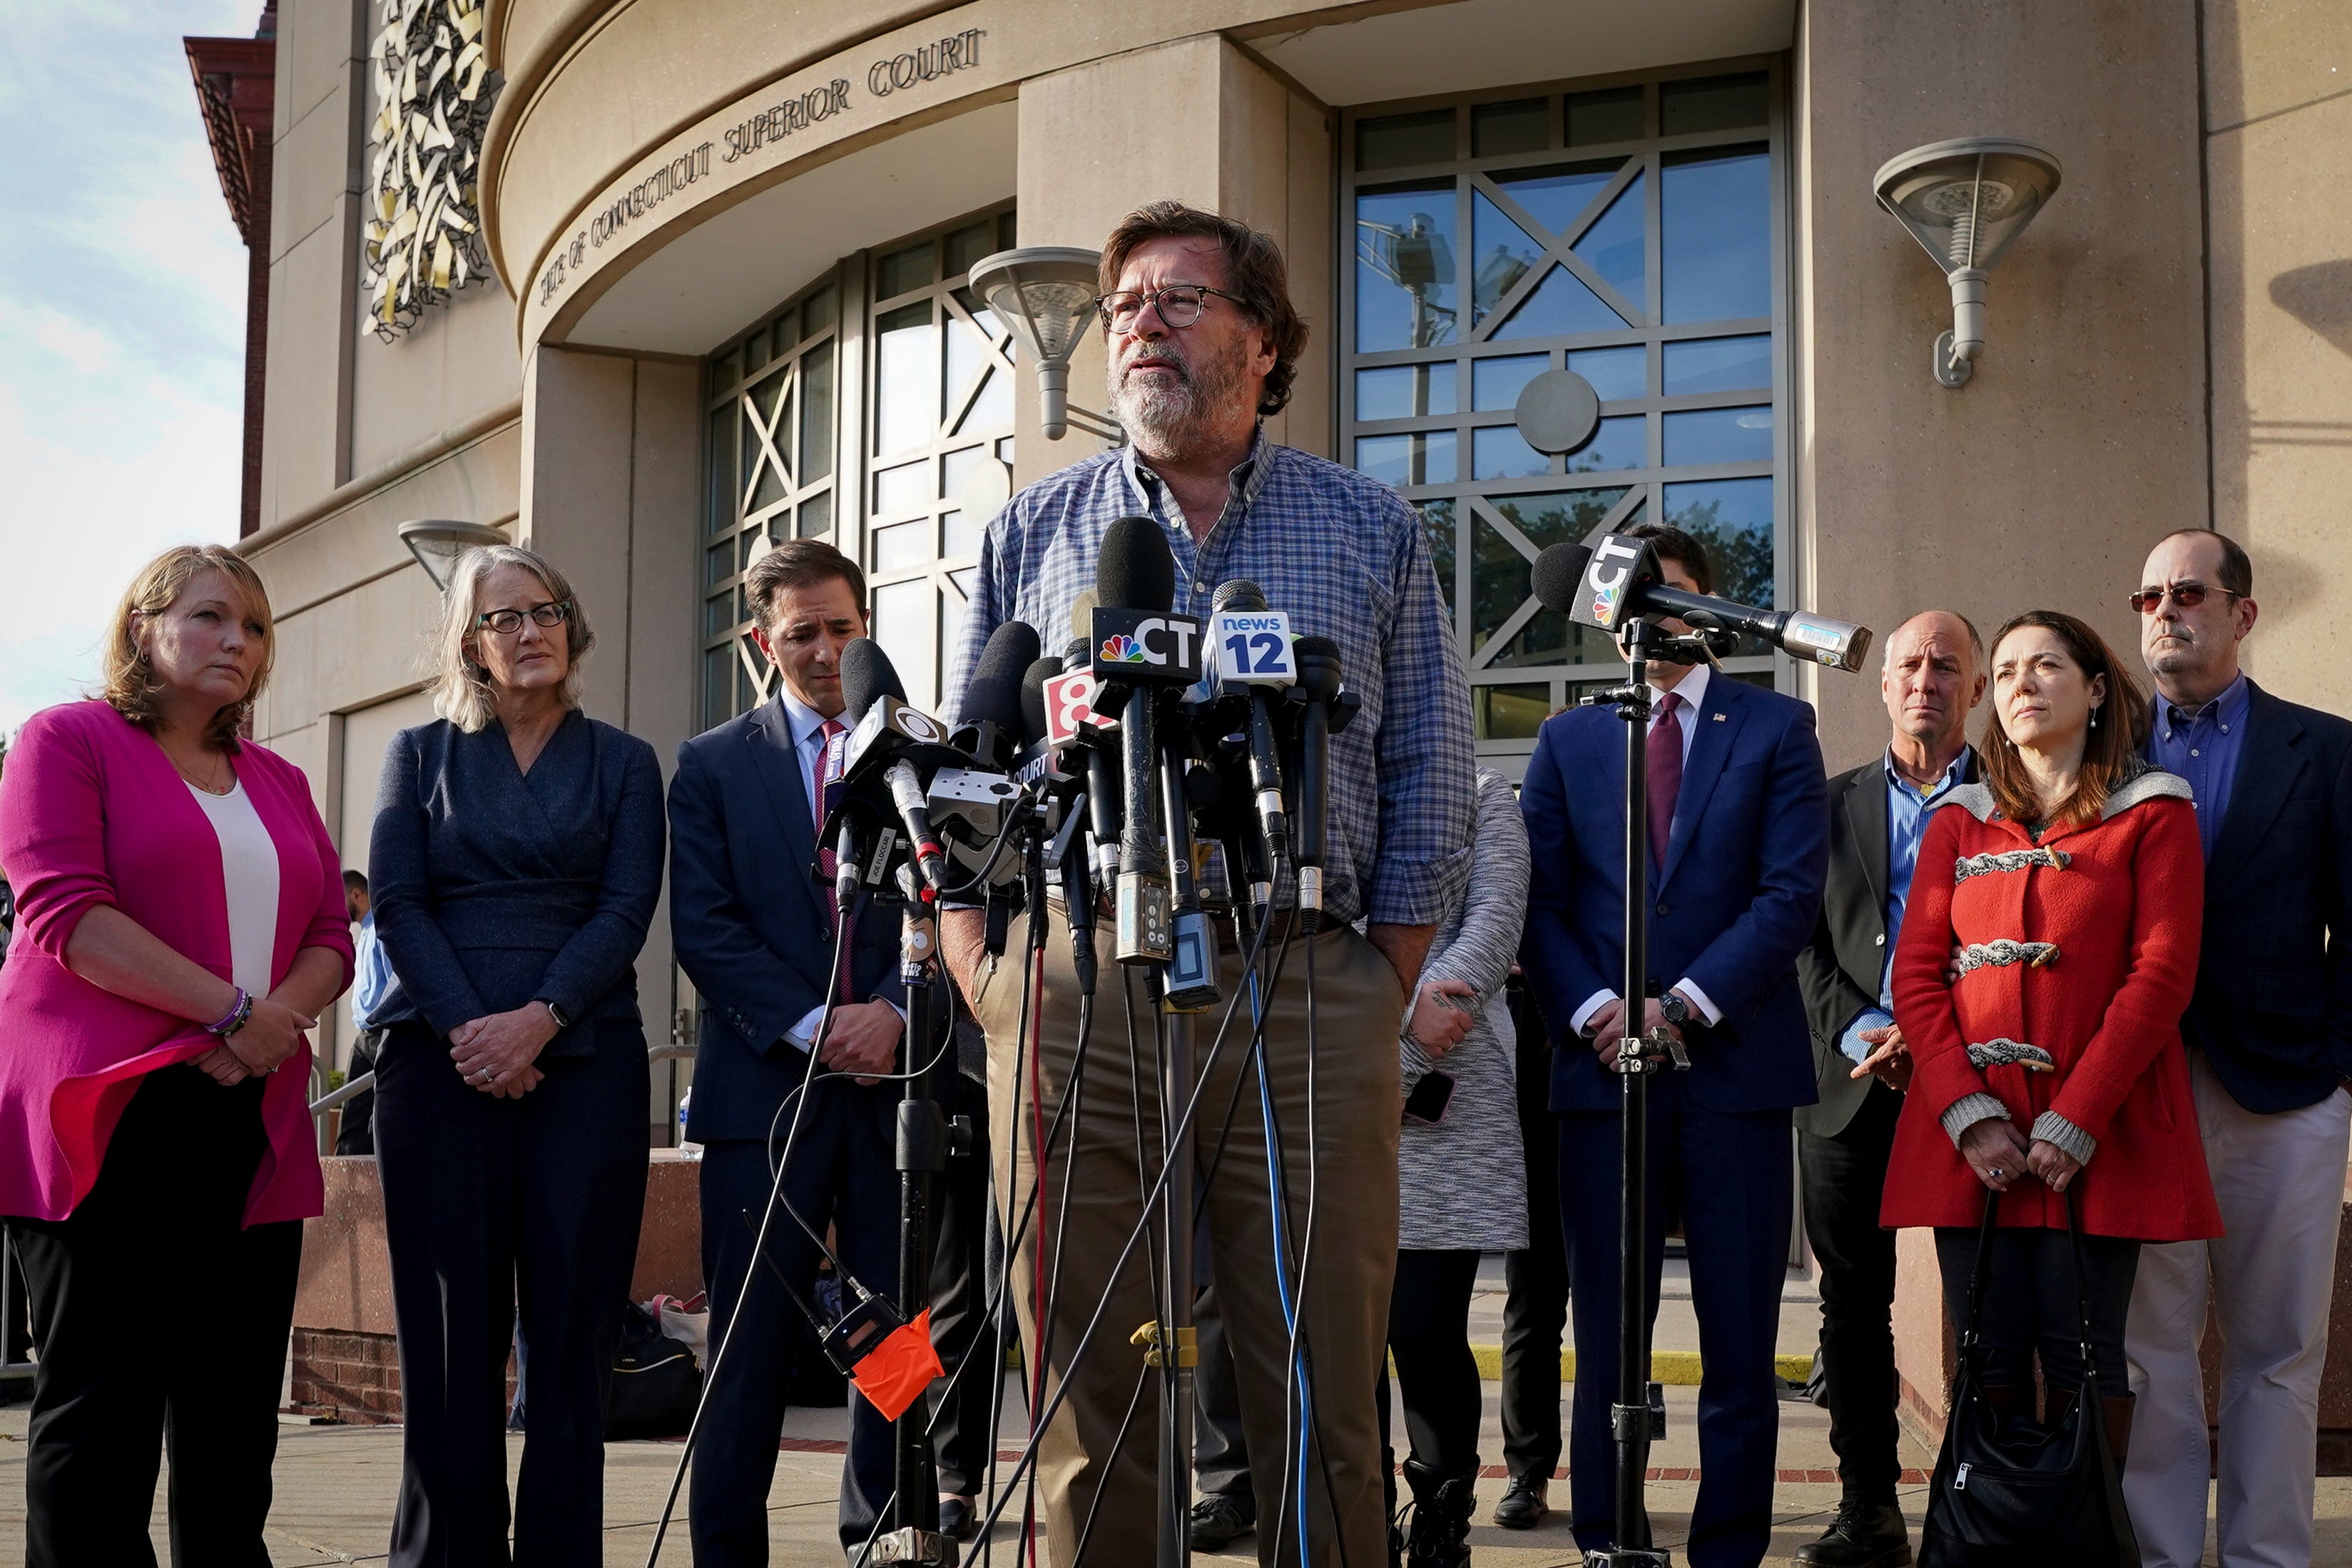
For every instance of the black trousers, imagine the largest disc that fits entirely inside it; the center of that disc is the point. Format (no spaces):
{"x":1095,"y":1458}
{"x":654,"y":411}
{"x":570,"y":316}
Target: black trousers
{"x":1220,"y":1451}
{"x":2030,"y":1304}
{"x":160,"y":1319}
{"x":961,"y":1326}
{"x":1437,"y":1375}
{"x":490,"y":1205}
{"x":843,"y":1173}
{"x":1843,"y":1179}
{"x":1535,"y":1311}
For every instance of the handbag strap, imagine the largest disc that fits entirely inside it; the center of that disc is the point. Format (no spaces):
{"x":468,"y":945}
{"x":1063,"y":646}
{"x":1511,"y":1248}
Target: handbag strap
{"x":2082,"y":1294}
{"x":1970,"y":1334}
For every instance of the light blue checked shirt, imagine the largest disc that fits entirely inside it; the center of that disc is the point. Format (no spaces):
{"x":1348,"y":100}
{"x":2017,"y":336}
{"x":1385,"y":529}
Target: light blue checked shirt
{"x":1343,"y":555}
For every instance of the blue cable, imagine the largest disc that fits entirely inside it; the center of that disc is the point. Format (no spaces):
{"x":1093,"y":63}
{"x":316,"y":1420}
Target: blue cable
{"x":1281,"y":1251}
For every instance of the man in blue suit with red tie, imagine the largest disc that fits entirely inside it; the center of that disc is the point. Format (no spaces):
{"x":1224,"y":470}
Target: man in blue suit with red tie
{"x":1739,"y":853}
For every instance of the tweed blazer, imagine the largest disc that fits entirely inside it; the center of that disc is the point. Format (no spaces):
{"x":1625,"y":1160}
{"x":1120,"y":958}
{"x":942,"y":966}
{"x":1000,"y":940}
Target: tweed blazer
{"x":1462,"y":1182}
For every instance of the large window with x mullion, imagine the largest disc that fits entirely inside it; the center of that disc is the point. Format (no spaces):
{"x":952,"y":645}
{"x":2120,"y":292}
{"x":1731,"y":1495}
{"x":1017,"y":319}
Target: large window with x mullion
{"x":1627,"y":230}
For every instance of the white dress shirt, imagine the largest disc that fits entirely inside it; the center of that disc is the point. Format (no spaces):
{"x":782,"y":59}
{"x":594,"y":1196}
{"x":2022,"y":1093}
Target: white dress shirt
{"x":807,"y":726}
{"x":1691,"y":692}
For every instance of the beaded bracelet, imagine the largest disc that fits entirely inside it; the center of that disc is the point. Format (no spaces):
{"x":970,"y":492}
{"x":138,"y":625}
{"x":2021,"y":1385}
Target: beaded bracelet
{"x":239,"y":1011}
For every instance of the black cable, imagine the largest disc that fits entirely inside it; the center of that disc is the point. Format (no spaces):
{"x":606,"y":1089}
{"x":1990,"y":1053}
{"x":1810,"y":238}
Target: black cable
{"x":759,"y":1244}
{"x":1126,"y":1251}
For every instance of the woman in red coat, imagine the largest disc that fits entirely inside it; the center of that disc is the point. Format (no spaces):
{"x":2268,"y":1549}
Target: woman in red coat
{"x":2047,"y":953}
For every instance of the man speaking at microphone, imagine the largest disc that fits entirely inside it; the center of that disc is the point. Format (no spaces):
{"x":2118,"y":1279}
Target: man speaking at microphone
{"x":1202,"y":341}
{"x":1738,"y":852}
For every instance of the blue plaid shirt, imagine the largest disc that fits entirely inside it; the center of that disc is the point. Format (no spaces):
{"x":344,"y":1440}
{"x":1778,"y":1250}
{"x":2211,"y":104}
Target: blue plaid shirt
{"x":1343,"y":555}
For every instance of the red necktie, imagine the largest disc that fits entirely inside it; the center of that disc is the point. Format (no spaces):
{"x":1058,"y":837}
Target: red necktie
{"x":1665,"y":774}
{"x":827,"y":796}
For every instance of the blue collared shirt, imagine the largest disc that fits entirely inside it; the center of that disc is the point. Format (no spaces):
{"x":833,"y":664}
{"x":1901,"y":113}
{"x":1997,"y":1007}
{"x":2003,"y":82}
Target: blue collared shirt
{"x":371,"y":972}
{"x":1345,"y":557}
{"x":2202,"y":747}
{"x":1906,"y":823}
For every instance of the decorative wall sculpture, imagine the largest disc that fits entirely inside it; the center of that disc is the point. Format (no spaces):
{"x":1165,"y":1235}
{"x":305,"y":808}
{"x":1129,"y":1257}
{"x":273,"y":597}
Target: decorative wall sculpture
{"x":434,"y":89}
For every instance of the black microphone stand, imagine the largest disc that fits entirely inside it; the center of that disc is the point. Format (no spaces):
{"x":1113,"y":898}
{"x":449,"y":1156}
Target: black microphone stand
{"x":1638,"y":1417}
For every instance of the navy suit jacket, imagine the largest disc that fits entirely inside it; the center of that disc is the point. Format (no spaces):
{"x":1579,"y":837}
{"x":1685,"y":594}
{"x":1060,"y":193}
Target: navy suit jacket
{"x":1736,"y":900}
{"x":748,"y":920}
{"x":2273,"y":1010}
{"x":493,"y":887}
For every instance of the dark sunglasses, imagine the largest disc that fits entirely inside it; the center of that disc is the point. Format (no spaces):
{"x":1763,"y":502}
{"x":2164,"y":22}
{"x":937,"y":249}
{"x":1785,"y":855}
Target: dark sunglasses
{"x":2188,"y":595}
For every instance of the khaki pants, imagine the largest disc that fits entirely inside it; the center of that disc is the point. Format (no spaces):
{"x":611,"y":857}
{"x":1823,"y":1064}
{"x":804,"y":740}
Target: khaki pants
{"x":1358,"y":1005}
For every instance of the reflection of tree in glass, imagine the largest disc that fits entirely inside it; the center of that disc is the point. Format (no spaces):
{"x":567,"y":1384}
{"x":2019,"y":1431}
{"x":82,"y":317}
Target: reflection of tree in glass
{"x":1740,"y":554}
{"x":1501,"y":577}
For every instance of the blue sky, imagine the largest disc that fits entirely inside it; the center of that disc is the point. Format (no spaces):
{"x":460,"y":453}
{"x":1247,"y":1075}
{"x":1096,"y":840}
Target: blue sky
{"x":121,"y":323}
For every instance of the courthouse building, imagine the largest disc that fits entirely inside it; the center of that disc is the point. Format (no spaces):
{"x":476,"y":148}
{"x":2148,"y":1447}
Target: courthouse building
{"x":651,"y":284}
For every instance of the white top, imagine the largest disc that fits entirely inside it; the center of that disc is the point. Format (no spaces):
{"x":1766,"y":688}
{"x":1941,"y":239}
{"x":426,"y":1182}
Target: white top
{"x":250,"y":872}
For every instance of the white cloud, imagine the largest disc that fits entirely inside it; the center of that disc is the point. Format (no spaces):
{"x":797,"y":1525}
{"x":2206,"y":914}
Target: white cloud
{"x":122,"y":325}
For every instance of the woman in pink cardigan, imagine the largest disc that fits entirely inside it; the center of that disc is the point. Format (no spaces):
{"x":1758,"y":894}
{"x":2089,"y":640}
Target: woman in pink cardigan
{"x":179,"y":926}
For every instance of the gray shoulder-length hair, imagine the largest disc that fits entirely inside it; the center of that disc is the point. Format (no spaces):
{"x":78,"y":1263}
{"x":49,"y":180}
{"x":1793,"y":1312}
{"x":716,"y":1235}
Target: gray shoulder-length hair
{"x":461,"y":686}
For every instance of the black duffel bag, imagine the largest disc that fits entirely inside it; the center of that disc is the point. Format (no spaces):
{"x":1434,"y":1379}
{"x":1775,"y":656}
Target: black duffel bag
{"x":655,"y":1383}
{"x":2020,"y":1494}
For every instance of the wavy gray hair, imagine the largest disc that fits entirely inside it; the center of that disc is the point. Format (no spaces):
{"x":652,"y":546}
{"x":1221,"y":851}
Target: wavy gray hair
{"x":462,"y":692}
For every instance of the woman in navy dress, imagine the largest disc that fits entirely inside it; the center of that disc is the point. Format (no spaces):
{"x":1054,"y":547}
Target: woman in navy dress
{"x":516,"y":858}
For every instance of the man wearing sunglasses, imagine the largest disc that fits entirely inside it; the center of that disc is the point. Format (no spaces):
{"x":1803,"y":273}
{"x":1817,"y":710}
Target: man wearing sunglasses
{"x":2270,"y":1049}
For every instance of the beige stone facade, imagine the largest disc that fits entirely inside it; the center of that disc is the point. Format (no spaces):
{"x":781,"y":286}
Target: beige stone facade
{"x":2170,"y":342}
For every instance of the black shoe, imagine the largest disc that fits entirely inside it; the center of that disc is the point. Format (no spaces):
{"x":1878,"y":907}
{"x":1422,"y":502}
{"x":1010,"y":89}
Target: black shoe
{"x":1863,"y":1535}
{"x":1440,"y":1535}
{"x":1524,"y":1504}
{"x":957,"y":1520}
{"x":1217,"y":1518}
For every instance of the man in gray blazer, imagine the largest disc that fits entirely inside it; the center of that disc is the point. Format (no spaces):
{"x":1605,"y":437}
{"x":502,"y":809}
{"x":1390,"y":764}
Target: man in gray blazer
{"x":1933,"y":676}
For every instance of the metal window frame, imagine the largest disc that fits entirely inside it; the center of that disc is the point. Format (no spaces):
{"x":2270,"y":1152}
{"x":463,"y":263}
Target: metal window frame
{"x":1647,"y":155}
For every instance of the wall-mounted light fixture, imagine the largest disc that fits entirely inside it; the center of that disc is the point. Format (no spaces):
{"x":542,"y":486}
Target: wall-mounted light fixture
{"x":1964,"y":201}
{"x":436,"y":543}
{"x":1047,"y":293}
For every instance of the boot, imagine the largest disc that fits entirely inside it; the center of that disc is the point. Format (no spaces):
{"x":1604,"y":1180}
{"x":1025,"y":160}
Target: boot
{"x":2009,"y":1403}
{"x":1441,"y":1517}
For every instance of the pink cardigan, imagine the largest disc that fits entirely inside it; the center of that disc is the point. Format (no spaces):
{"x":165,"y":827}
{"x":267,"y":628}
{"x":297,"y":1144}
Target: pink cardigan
{"x":92,"y":812}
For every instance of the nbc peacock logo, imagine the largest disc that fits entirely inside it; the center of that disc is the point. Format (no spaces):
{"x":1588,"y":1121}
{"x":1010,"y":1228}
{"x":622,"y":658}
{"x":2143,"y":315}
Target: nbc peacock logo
{"x":1122,"y":649}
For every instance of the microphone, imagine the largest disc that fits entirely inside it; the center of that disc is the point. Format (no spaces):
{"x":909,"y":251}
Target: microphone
{"x":1135,"y":587}
{"x":989,"y":726}
{"x":889,"y":729}
{"x":1318,"y":689}
{"x":1238,"y":616}
{"x":1611,"y":582}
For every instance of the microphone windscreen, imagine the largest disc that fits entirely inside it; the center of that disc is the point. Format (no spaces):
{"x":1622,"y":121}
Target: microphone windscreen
{"x":1082,"y":615}
{"x":1033,"y":697}
{"x":993,"y":695}
{"x":1559,"y":575}
{"x":867,"y":673}
{"x":1320,"y":667}
{"x":1136,"y":571}
{"x":1238,"y":594}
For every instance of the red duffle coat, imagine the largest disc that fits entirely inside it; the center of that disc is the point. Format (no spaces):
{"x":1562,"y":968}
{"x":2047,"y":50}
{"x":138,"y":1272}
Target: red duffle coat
{"x":2121,"y":903}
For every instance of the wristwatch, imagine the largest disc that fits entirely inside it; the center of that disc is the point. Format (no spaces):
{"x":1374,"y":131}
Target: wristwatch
{"x":1674,"y":1009}
{"x":562,"y":1019}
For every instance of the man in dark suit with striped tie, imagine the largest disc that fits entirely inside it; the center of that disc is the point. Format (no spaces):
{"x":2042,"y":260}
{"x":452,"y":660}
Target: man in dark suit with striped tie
{"x":753,"y":929}
{"x":1738,"y":852}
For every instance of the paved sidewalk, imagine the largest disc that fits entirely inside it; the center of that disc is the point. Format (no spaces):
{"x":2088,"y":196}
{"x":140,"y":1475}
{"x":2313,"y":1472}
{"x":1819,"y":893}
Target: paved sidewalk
{"x":336,"y":1484}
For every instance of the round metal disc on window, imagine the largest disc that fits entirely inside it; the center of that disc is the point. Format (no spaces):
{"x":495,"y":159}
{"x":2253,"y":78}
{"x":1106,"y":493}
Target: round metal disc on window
{"x":985,"y":490}
{"x":1559,"y":411}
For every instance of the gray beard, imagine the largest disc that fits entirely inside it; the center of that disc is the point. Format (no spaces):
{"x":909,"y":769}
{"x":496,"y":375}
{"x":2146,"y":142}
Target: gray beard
{"x":1168,"y":421}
